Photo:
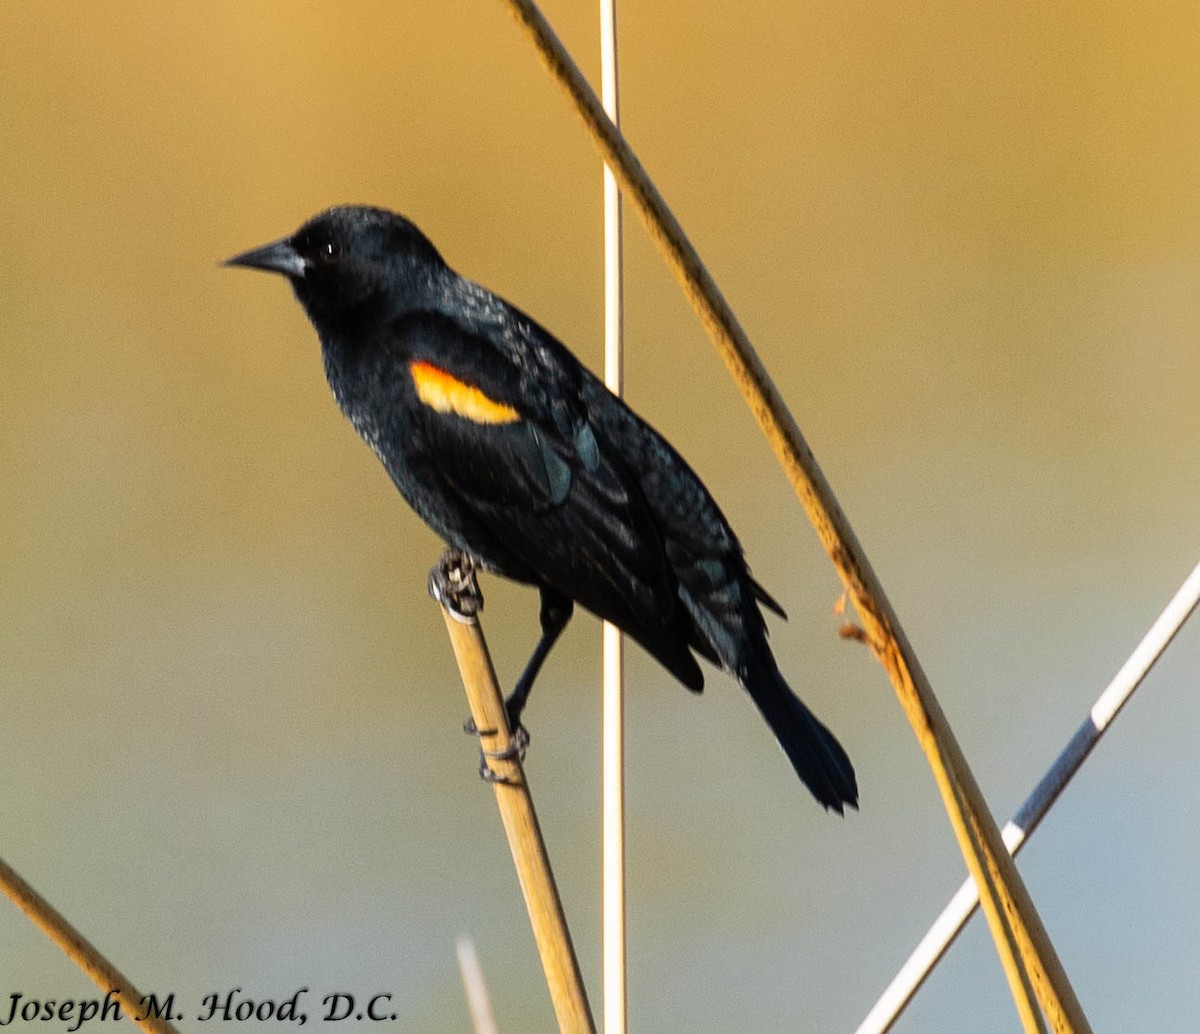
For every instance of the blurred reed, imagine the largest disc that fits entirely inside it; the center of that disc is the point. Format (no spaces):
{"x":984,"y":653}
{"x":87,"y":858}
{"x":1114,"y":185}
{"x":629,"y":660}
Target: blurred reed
{"x":479,"y":1002}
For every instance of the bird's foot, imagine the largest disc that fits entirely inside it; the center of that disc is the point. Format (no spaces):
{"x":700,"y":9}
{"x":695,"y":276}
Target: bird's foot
{"x":471,"y":729}
{"x":453,"y":583}
{"x":517,"y":745}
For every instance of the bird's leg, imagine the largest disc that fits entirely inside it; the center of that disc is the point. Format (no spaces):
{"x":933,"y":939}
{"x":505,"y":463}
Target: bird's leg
{"x":556,"y":612}
{"x":453,"y":583}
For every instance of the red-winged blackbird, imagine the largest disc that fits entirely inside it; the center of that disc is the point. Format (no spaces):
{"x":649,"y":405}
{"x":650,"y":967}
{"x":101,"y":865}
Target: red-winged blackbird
{"x":512,"y":451}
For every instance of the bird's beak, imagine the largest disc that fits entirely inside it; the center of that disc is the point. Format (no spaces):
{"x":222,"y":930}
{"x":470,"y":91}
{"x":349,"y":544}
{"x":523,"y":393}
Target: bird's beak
{"x":277,"y":257}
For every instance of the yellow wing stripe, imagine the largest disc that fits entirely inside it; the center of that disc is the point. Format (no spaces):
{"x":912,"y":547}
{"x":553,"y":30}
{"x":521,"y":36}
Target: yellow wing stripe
{"x":445,"y":393}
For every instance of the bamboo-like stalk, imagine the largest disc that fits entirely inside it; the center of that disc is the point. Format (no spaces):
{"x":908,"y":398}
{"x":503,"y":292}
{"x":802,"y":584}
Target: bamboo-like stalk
{"x":613,"y":703}
{"x":453,"y":585}
{"x":79,"y":950}
{"x":1022,"y":826}
{"x":1026,"y":952}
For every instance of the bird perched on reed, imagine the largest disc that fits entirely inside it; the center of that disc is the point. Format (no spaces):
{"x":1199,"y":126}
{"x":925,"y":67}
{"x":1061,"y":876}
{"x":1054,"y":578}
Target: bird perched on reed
{"x":512,"y":451}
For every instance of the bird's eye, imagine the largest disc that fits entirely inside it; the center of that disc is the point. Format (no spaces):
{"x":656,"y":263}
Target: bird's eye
{"x":328,"y":252}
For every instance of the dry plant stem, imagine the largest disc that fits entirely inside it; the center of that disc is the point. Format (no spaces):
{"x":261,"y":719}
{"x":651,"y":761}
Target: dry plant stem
{"x":614,"y":998}
{"x":1029,"y":959}
{"x":1017,"y":831}
{"x":515,"y":803}
{"x":78,"y":949}
{"x":478,"y":1000}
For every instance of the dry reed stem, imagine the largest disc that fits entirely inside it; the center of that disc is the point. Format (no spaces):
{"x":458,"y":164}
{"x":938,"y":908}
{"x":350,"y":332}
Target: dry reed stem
{"x":458,"y":593}
{"x":614,"y":997}
{"x":1029,"y":959}
{"x":78,"y":949}
{"x":1022,"y":826}
{"x":479,"y":1002}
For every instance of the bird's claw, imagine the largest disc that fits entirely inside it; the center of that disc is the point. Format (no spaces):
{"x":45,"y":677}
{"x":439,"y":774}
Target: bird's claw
{"x":453,"y":583}
{"x":471,"y":729}
{"x":488,"y":776}
{"x":516,"y":748}
{"x":517,"y":745}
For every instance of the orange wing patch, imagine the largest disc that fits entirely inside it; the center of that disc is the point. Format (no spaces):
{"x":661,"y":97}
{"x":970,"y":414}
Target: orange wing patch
{"x":445,"y":393}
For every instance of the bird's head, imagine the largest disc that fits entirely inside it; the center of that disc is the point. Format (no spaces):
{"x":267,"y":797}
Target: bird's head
{"x":349,"y":257}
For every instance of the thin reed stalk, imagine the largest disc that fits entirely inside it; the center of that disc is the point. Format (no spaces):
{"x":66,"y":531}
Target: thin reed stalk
{"x":452,"y":583}
{"x":1021,"y":827}
{"x":80,"y":950}
{"x":479,"y":1002}
{"x":613,"y":702}
{"x":1035,"y":974}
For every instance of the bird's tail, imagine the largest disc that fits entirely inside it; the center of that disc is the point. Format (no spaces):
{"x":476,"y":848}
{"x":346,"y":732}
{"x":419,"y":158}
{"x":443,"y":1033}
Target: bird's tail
{"x":814,"y":752}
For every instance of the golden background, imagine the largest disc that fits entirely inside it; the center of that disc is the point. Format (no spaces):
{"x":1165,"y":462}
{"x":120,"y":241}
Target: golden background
{"x":965,"y":239}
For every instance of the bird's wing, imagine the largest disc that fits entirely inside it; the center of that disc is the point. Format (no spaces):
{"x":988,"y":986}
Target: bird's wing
{"x":705,"y":556}
{"x":526,"y":470}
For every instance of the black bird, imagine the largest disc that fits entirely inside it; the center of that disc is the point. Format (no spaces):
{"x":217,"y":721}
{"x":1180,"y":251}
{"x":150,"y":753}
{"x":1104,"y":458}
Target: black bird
{"x":513,"y":452}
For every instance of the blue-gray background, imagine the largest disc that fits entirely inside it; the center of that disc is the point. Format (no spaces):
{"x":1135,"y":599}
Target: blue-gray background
{"x":966,"y":241}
